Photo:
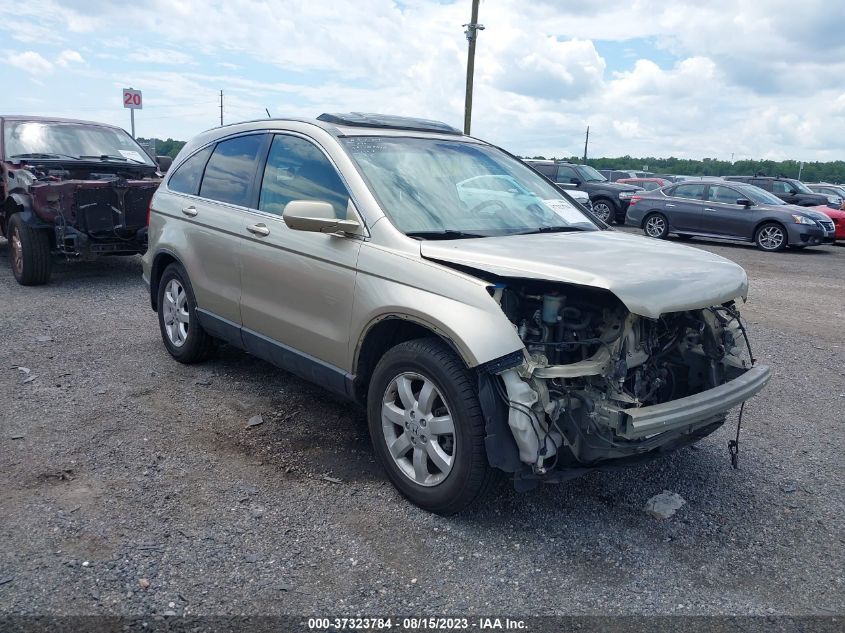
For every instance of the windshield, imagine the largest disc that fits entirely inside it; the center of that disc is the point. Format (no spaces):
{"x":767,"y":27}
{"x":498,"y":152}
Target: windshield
{"x":760,"y":196}
{"x":588,"y":174}
{"x":432,"y":187}
{"x":52,"y":139}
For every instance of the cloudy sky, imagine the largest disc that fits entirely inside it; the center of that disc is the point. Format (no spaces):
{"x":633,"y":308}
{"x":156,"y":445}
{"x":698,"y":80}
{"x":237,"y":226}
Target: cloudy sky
{"x":752,"y":78}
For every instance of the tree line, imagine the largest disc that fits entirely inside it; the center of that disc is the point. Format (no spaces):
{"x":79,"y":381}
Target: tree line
{"x":833,"y":171}
{"x":170,"y":147}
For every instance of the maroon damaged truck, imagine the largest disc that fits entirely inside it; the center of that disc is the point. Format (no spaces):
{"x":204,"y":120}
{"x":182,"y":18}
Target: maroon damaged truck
{"x":71,"y":188}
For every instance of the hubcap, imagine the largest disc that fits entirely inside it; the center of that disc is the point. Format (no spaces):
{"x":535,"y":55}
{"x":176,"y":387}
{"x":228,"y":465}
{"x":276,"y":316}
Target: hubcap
{"x":655,"y":226}
{"x":17,"y":251}
{"x":175,"y":312}
{"x":602,"y":211}
{"x":771,"y":238}
{"x":418,"y":429}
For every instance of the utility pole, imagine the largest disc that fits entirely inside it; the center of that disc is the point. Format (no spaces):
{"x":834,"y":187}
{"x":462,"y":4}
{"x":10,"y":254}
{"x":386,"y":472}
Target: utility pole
{"x":472,"y":34}
{"x":221,"y":108}
{"x":586,"y":141}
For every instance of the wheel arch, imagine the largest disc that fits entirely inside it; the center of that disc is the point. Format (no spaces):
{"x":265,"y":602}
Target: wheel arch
{"x":385,"y":332}
{"x":162,"y":260}
{"x":769,"y":220}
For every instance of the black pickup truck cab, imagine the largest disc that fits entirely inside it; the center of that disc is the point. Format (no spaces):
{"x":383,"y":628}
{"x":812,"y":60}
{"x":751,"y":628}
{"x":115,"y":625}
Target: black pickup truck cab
{"x":71,"y":188}
{"x":609,"y":199}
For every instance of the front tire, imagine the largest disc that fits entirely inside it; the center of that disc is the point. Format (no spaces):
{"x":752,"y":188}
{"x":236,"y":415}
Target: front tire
{"x":771,"y":237}
{"x":30,"y":253}
{"x":427,"y":428}
{"x":181,"y":332}
{"x":656,"y":225}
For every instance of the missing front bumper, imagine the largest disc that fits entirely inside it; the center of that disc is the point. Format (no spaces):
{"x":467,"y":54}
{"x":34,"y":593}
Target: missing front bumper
{"x":693,"y":410}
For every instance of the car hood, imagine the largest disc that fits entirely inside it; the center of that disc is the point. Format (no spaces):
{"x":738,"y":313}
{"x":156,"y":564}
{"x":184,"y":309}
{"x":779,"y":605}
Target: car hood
{"x":650,"y":277}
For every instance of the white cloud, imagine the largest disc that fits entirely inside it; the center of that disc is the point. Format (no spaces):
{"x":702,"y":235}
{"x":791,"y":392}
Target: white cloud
{"x":732,"y":76}
{"x":161,"y":57}
{"x":68,"y":57}
{"x":28,"y":61}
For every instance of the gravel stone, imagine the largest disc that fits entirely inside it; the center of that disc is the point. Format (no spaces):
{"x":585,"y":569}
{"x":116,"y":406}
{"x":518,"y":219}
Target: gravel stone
{"x":585,"y":547}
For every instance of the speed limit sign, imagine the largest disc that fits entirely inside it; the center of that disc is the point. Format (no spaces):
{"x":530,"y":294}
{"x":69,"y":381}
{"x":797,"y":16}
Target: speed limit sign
{"x":132,"y":99}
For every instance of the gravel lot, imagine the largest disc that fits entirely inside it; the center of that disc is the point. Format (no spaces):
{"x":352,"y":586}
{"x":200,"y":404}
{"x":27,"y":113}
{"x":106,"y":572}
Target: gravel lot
{"x":131,"y":485}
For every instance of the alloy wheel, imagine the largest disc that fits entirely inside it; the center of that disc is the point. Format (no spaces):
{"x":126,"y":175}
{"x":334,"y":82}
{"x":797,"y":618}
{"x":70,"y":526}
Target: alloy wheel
{"x":602,"y":211}
{"x":176,"y":317}
{"x":655,"y":226}
{"x":17,"y":252}
{"x":771,"y":238}
{"x":418,"y":429}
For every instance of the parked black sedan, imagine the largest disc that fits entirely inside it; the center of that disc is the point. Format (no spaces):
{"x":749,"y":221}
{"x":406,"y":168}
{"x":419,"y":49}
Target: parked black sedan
{"x":728,"y":210}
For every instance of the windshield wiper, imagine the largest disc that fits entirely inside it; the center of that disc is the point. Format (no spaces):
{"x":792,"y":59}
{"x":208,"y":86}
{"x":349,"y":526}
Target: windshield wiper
{"x":43,"y":155}
{"x":445,"y":234}
{"x":554,"y":229}
{"x":113,"y":157}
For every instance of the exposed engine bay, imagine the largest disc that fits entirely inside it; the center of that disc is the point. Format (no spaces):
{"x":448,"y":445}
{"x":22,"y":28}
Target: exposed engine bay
{"x":92,"y":208}
{"x":598,"y":382}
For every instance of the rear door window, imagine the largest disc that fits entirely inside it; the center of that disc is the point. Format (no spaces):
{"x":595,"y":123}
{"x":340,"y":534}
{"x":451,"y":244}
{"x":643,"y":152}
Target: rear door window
{"x":231,"y":170}
{"x":763,"y":183}
{"x":725,"y":195}
{"x":565,"y":174}
{"x":187,"y":177}
{"x":298,"y":170}
{"x":547,"y":170}
{"x":693,"y":192}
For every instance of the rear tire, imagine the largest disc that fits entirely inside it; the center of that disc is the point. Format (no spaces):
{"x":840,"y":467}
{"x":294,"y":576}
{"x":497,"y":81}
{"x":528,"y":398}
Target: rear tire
{"x":181,"y":332}
{"x":604,"y":211}
{"x":656,"y":225}
{"x":30,"y":253}
{"x":771,"y":237}
{"x":432,"y":448}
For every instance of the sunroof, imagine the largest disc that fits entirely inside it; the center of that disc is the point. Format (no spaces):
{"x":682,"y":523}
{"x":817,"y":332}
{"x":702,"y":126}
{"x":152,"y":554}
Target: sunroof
{"x":388,"y":121}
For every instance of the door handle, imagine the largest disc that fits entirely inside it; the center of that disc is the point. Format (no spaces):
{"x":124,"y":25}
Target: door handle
{"x":259,"y":229}
{"x":189,"y":211}
{"x":670,"y":205}
{"x":708,"y":209}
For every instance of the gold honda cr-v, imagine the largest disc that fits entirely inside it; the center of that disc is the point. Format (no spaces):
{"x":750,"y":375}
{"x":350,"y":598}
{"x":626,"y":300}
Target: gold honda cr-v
{"x":485,"y":320}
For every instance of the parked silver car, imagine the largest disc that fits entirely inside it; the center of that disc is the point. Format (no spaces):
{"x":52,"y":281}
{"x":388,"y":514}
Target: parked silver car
{"x":482,"y":318}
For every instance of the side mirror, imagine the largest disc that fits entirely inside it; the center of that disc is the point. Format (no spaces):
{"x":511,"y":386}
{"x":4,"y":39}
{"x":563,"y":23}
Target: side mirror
{"x":164,"y":163}
{"x":317,"y":217}
{"x":744,"y":202}
{"x":575,"y":181}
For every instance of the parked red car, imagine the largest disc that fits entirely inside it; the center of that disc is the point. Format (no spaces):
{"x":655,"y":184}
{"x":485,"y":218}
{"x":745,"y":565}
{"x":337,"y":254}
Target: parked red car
{"x":649,"y":184}
{"x":838,"y":217}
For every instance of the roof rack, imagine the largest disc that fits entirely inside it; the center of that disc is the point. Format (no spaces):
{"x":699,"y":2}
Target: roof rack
{"x":387,"y":121}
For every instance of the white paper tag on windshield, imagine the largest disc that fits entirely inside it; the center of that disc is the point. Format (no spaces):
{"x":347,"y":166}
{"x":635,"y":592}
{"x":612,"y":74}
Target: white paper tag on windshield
{"x":131,"y":155}
{"x":565,"y":211}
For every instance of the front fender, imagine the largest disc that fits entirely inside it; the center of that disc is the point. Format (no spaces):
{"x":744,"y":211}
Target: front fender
{"x":460,"y":310}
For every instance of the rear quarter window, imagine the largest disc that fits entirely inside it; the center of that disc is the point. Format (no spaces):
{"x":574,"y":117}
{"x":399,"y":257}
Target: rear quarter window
{"x":187,"y":177}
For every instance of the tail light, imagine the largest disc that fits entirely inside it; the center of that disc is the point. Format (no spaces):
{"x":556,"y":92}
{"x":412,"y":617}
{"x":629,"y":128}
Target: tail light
{"x":634,"y":200}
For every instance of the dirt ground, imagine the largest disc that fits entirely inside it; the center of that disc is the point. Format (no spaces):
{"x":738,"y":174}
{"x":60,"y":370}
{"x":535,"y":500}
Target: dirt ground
{"x":132,"y":485}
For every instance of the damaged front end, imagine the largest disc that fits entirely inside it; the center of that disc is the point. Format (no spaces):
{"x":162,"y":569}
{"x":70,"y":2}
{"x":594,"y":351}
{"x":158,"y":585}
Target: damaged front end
{"x":90,"y":210}
{"x":598,"y":385}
